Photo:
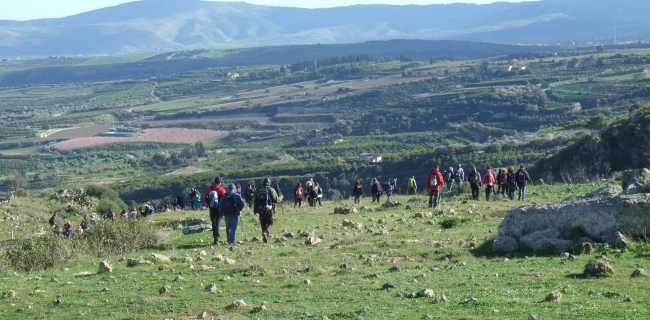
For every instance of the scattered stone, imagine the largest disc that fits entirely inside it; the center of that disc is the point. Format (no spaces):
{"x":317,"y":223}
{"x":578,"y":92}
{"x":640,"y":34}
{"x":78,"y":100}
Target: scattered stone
{"x":441,"y":298}
{"x":137,"y":261}
{"x":289,"y":235}
{"x":238,"y":304}
{"x":197,"y":229}
{"x":83,"y":274}
{"x":312,"y":240}
{"x":178,"y":278}
{"x":105,"y":267}
{"x":229,"y":261}
{"x":185,"y":260}
{"x":55,"y":280}
{"x":104,"y":290}
{"x":505,"y":244}
{"x":219,"y":258}
{"x":163,"y":290}
{"x":388,"y":285}
{"x":638,"y":273}
{"x":352,"y":224}
{"x":598,"y":268}
{"x":261,"y":308}
{"x":255,"y":239}
{"x":202,"y":315}
{"x":159,"y":258}
{"x":9,"y":294}
{"x":470,"y":300}
{"x":307,"y":281}
{"x":211,"y":288}
{"x":36,"y":292}
{"x":395,"y":269}
{"x":226,"y":278}
{"x":281,"y":239}
{"x":615,"y":239}
{"x":532,"y":317}
{"x":362,"y":310}
{"x":585,"y":248}
{"x":426,"y":293}
{"x":423,"y":215}
{"x":203,"y":253}
{"x":553,"y":296}
{"x":611,"y":294}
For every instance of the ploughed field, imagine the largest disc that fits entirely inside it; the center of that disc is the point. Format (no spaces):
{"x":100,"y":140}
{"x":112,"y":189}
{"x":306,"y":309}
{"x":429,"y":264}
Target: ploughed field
{"x":373,"y":264}
{"x":162,"y":135}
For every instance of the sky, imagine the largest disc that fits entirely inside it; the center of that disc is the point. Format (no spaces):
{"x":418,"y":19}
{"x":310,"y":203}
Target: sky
{"x":39,"y":9}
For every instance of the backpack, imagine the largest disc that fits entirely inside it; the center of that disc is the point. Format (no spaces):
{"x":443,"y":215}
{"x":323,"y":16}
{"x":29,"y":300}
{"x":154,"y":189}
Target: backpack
{"x":521,"y":176}
{"x":449,"y":175}
{"x":490,"y":179}
{"x":434,"y":180}
{"x":228,"y":206}
{"x":213,"y":199}
{"x":512,"y":178}
{"x":299,"y":193}
{"x":264,"y":201}
{"x":457,"y":175}
{"x":51,"y":221}
{"x":411,"y":183}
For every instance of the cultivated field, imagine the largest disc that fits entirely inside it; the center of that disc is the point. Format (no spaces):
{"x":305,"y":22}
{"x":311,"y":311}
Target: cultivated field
{"x":171,"y":135}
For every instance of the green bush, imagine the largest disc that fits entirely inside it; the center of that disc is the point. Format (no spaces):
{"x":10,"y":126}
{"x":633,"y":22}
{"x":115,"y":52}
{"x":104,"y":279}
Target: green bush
{"x":108,"y":198}
{"x":449,"y":223}
{"x":104,"y":239}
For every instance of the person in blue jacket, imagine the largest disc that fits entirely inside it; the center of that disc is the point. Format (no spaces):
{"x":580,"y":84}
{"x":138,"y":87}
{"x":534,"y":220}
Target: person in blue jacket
{"x":230,"y":207}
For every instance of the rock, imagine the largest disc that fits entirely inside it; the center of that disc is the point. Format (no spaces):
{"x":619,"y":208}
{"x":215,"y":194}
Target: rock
{"x":229,"y":261}
{"x":352,"y":224}
{"x":423,"y":215}
{"x":636,"y":182}
{"x":344,"y":210}
{"x":178,"y":278}
{"x":395,"y":269}
{"x":615,"y":239}
{"x":593,"y":215}
{"x":202,"y":315}
{"x":255,"y":239}
{"x":9,"y":294}
{"x":470,"y":300}
{"x":105,"y":267}
{"x":261,"y":308}
{"x":505,"y":244}
{"x":163,"y":290}
{"x":83,"y":274}
{"x":307,"y":282}
{"x":387,"y":286}
{"x":281,"y":239}
{"x":211,"y":288}
{"x":219,"y":258}
{"x":553,"y":296}
{"x":426,"y":293}
{"x":225,"y":279}
{"x":585,"y":248}
{"x":37,"y":292}
{"x":197,"y":229}
{"x":185,"y":259}
{"x":289,"y":235}
{"x":238,"y":304}
{"x":312,"y":240}
{"x":137,"y":261}
{"x":546,"y":240}
{"x":390,"y":204}
{"x":598,"y":268}
{"x":532,"y":317}
{"x":638,"y":273}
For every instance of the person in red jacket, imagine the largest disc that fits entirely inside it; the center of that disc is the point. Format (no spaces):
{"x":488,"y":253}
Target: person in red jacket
{"x":298,"y":193}
{"x":435,"y":181}
{"x":214,"y":211}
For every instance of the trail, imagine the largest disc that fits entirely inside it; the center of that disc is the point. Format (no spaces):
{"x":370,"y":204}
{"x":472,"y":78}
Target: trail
{"x":153,"y":92}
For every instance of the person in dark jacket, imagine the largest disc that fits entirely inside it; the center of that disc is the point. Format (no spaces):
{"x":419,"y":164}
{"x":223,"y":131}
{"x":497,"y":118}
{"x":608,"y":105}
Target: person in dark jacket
{"x":214,"y":212}
{"x":511,"y":179}
{"x":475,"y":183}
{"x":276,"y":187}
{"x":230,"y":207}
{"x":249,"y":195}
{"x":357,"y":192}
{"x":522,"y":181}
{"x":266,"y":216}
{"x":376,"y":191}
{"x":312,"y":195}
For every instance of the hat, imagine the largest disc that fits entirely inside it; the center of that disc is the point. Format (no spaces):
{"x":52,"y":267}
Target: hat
{"x":521,"y":166}
{"x":358,"y":182}
{"x":218,"y":180}
{"x":232,"y":186}
{"x":266,"y":181}
{"x":436,"y":167}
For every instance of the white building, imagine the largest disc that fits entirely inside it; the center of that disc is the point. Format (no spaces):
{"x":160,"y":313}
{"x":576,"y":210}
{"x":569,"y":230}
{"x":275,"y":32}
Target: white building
{"x":370,"y":157}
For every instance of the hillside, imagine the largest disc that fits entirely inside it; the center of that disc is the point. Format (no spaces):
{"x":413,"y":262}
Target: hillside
{"x":155,"y":25}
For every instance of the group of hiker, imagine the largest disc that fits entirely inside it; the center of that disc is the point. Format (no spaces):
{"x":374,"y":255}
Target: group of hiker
{"x":313,"y":194}
{"x":68,"y":229}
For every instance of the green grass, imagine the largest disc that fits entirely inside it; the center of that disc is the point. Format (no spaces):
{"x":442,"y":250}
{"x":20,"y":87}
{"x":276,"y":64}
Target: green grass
{"x":428,"y":257}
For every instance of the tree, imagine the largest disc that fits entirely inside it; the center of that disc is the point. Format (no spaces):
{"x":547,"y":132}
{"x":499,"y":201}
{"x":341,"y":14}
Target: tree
{"x":597,"y":121}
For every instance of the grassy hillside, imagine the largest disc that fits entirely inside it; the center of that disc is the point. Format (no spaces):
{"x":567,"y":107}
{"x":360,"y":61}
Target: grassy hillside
{"x":341,"y":277}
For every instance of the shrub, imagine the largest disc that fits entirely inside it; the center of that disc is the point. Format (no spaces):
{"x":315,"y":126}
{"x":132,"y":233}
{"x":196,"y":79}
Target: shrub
{"x":106,"y":238}
{"x":449,"y":223}
{"x":109,"y":198}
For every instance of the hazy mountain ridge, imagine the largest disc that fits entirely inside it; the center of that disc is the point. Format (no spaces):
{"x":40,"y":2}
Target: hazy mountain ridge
{"x":152,"y":25}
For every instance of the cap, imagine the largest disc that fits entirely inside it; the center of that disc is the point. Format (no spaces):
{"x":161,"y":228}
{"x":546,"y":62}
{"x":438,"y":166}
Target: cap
{"x":358,"y":182}
{"x":218,"y":180}
{"x":521,"y":166}
{"x":232,"y":186}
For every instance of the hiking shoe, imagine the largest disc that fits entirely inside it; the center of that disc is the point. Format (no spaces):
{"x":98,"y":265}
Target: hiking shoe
{"x":265,"y":238}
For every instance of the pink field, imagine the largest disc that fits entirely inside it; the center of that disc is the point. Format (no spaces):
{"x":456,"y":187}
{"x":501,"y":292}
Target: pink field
{"x":167,"y":135}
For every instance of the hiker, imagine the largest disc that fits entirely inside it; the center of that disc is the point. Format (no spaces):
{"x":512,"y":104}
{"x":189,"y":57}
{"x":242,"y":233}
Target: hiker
{"x":124,"y":214}
{"x":475,"y":183}
{"x":522,"y":181}
{"x":413,"y":186}
{"x":212,"y":195}
{"x":132,"y":213}
{"x":80,"y":230}
{"x":488,"y":182}
{"x":376,"y":191}
{"x":84,"y":225}
{"x":434,"y":182}
{"x":68,"y":229}
{"x":511,"y":179}
{"x":319,"y":191}
{"x":195,"y":199}
{"x":357,"y":192}
{"x":238,"y":188}
{"x":276,"y":187}
{"x":230,"y":207}
{"x":52,"y":221}
{"x":298,"y":193}
{"x":110,"y":215}
{"x":249,"y":195}
{"x":180,"y":203}
{"x":309,"y":183}
{"x":388,"y":188}
{"x":264,"y":206}
{"x":449,"y":178}
{"x":502,"y":182}
{"x":459,"y":174}
{"x":395,"y":190}
{"x":312,"y":196}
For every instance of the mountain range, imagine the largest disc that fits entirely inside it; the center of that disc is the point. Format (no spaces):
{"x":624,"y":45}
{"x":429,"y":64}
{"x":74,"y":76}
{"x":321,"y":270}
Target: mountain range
{"x":165,"y":25}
